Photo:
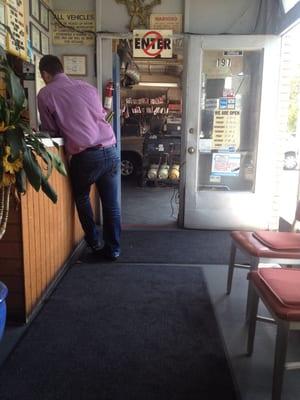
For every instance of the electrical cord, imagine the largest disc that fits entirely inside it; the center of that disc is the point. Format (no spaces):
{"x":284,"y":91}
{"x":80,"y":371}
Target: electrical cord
{"x":174,"y":200}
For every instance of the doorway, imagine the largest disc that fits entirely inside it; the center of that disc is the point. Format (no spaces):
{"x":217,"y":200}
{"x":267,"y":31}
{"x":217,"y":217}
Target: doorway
{"x":229,"y":119}
{"x":151,"y":136}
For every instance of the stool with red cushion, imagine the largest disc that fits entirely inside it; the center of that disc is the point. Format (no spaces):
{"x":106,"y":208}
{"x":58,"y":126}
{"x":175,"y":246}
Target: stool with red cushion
{"x":279,"y":290}
{"x":264,"y":247}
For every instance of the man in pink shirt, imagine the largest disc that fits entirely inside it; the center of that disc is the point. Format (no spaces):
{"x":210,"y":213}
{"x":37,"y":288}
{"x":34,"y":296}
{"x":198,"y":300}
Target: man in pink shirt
{"x":72,"y":109}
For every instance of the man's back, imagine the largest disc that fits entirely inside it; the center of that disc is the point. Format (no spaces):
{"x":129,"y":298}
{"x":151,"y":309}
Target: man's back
{"x":76,"y":112}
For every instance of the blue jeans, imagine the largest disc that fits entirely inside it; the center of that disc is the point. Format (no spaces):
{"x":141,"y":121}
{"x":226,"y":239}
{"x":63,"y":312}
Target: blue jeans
{"x":102,"y":167}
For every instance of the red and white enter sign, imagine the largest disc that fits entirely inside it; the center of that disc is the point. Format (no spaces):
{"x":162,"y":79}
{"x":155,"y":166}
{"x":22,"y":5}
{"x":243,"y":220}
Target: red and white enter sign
{"x":152,"y":43}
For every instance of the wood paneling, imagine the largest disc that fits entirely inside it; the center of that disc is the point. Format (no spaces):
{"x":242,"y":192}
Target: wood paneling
{"x":48,"y":232}
{"x":11,"y":264}
{"x":40,"y":238}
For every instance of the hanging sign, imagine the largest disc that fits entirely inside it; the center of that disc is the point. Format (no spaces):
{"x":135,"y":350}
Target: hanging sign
{"x":152,"y":44}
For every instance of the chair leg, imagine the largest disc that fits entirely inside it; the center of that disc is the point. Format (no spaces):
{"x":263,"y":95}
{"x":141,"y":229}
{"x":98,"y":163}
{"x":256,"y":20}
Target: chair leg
{"x":279,"y":359}
{"x":253,"y":300}
{"x":248,"y":304}
{"x":254,"y":265}
{"x":231,"y":267}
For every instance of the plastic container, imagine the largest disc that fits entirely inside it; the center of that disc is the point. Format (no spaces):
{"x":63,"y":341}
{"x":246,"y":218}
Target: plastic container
{"x":3,"y":295}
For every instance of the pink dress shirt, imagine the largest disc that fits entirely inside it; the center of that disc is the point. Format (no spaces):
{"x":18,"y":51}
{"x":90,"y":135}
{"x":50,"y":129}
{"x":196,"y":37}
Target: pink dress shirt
{"x":72,"y":109}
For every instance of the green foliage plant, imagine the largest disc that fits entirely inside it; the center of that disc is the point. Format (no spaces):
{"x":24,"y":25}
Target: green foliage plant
{"x":23,"y":156}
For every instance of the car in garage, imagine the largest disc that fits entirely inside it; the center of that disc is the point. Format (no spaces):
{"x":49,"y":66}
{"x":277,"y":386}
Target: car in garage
{"x":131,"y":156}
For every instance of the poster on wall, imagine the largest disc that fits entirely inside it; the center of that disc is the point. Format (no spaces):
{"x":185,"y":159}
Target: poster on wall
{"x":75,"y":64}
{"x":79,"y":20}
{"x":17,"y":42}
{"x":166,"y":21}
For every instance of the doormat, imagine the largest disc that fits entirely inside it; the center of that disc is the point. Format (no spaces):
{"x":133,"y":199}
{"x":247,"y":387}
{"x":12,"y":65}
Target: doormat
{"x":122,"y":333}
{"x":178,"y":246}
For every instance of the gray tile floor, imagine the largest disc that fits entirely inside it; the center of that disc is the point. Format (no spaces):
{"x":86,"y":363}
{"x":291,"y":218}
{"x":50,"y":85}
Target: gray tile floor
{"x":253,"y":374}
{"x":149,"y":205}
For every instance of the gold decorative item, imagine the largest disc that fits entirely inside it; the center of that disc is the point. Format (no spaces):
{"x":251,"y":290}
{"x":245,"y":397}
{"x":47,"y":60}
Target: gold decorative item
{"x":139,"y":12}
{"x":174,"y":172}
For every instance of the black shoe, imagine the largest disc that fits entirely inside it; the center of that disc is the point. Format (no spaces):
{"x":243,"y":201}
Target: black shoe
{"x":103,"y":253}
{"x":95,"y":248}
{"x":113,"y":256}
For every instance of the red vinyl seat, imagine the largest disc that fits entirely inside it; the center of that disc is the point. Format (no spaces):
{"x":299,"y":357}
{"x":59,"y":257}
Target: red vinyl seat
{"x":264,"y":247}
{"x":279,"y":290}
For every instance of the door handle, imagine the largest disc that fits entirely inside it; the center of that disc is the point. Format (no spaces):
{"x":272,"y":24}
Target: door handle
{"x":191,"y":150}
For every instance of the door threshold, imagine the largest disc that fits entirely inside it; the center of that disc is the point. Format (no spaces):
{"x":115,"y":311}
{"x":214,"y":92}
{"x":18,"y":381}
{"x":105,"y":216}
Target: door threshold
{"x":148,"y":227}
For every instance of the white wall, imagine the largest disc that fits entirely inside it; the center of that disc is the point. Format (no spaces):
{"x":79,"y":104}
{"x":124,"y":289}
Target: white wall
{"x":200,"y":16}
{"x":220,"y":17}
{"x":77,"y":5}
{"x":114,"y":17}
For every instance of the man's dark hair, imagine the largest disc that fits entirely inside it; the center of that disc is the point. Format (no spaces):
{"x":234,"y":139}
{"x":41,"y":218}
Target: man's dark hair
{"x":51,"y":64}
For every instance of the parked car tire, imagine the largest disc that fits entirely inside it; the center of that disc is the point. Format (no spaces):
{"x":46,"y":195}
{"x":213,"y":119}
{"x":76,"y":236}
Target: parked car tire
{"x":130,"y":164}
{"x":290,"y":160}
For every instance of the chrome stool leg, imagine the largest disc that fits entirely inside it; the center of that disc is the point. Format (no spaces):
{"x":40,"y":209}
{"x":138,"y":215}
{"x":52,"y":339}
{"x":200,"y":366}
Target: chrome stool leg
{"x":280,"y":356}
{"x":231,"y":267}
{"x":253,"y":300}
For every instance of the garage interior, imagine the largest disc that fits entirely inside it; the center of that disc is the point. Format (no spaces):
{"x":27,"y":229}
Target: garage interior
{"x":151,"y":128}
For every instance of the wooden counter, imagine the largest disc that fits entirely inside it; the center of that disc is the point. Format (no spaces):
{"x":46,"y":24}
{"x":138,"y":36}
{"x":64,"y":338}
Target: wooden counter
{"x":39,"y":240}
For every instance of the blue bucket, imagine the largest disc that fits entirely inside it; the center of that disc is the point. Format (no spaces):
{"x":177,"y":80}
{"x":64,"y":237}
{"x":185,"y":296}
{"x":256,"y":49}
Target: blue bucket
{"x":3,"y":295}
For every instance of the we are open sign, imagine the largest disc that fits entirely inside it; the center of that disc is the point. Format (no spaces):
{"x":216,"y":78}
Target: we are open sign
{"x":152,"y":43}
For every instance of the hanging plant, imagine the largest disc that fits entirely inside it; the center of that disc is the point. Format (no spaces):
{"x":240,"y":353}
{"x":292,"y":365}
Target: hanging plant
{"x":23,"y":156}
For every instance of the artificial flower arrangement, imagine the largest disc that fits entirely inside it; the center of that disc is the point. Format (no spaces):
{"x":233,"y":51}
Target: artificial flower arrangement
{"x":23,"y":156}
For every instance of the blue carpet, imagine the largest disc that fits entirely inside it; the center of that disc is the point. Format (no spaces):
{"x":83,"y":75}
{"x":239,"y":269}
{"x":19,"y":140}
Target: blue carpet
{"x":120,"y":332}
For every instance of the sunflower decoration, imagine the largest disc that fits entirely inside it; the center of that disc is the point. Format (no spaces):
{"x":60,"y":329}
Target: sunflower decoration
{"x":9,"y":164}
{"x":24,"y":159}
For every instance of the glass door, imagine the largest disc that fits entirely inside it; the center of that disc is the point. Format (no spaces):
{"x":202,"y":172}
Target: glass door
{"x":230,"y":120}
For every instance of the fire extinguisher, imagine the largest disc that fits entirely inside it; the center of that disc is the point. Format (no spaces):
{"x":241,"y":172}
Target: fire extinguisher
{"x":108,"y":95}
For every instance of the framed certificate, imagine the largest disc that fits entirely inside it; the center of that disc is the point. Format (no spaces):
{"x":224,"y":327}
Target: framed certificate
{"x":75,"y":65}
{"x":34,"y":7}
{"x":35,"y":37}
{"x":44,"y":44}
{"x":44,"y":16}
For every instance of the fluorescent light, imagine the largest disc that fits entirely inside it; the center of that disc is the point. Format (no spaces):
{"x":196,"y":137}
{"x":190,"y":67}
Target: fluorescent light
{"x":158,"y":84}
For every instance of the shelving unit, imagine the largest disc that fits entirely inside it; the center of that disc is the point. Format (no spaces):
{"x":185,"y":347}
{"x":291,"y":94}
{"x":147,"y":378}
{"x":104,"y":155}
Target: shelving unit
{"x":155,"y":118}
{"x":151,"y":119}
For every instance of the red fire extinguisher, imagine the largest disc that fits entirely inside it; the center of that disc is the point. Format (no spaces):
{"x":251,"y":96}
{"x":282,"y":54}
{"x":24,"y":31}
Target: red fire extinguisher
{"x":108,"y":95}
